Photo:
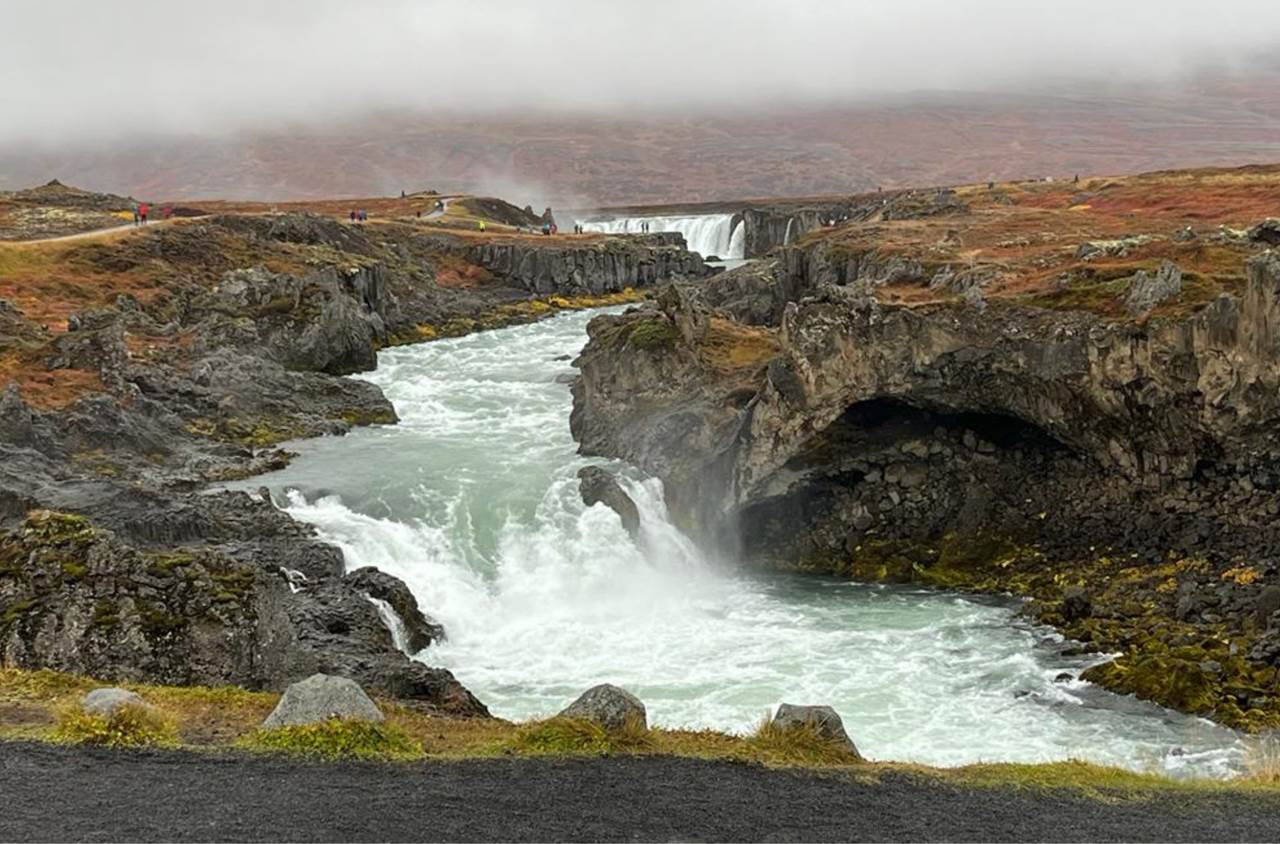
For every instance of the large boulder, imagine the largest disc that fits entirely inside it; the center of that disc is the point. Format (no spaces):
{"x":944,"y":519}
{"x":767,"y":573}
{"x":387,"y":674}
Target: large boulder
{"x":598,"y":486}
{"x":319,"y":698}
{"x":106,"y":702}
{"x":607,"y":705}
{"x":822,"y":719}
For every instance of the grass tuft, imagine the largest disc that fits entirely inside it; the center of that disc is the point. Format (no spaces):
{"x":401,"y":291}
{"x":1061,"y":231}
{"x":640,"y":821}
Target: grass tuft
{"x":798,"y":745}
{"x":128,"y":726}
{"x":1262,"y":759}
{"x":579,"y":737}
{"x":336,"y":739}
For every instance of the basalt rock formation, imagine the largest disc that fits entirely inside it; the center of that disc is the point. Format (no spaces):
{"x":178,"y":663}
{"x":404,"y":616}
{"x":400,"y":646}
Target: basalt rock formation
{"x":592,"y":268}
{"x":842,"y":410}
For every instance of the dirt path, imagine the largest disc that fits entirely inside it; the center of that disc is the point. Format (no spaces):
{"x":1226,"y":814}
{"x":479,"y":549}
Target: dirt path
{"x":99,"y":232}
{"x":60,"y":793}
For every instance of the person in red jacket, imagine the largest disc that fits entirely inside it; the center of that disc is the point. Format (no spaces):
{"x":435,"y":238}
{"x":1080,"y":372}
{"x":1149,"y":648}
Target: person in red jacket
{"x":143,"y":210}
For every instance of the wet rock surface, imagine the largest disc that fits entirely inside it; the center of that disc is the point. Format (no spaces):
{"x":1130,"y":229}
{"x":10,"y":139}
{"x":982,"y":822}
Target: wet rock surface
{"x":599,"y":486}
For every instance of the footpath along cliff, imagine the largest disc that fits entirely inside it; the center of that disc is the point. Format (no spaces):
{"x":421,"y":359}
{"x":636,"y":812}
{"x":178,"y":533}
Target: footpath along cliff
{"x":1068,"y":392}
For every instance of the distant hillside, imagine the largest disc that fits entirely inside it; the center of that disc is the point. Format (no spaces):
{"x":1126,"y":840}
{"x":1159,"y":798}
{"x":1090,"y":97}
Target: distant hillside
{"x":582,"y":161}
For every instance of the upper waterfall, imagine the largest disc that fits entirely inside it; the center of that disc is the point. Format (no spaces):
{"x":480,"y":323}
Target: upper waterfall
{"x":706,"y":234}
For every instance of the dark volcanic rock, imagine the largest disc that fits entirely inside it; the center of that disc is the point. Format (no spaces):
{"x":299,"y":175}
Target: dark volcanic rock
{"x":595,"y":267}
{"x":422,"y":631}
{"x":598,"y":486}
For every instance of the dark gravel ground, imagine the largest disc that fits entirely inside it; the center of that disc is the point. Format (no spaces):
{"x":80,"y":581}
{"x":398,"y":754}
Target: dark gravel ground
{"x":70,"y":794}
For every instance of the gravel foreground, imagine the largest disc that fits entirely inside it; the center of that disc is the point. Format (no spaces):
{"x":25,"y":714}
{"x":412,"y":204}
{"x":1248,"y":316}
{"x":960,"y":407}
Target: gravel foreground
{"x":74,"y":794}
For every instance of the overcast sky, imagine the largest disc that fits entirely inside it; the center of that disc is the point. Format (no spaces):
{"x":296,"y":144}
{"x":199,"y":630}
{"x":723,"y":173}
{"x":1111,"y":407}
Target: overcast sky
{"x":88,"y":69}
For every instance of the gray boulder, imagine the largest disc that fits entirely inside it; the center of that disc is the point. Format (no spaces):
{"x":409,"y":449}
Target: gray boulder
{"x":608,"y":706}
{"x":105,"y":702}
{"x":1146,"y":292}
{"x":598,"y":486}
{"x":823,"y":719}
{"x":319,"y":698}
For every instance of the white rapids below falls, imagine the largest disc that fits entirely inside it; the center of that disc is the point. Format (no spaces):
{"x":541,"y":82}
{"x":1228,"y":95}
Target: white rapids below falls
{"x":472,"y":500}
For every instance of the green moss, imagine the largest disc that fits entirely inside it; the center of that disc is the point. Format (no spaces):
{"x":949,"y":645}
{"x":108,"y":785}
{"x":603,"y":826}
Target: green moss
{"x":105,"y":613}
{"x":47,"y":527}
{"x":74,"y":571}
{"x":652,"y":333}
{"x":157,"y":621}
{"x":235,"y":582}
{"x":370,"y":416}
{"x":16,"y":610}
{"x":336,"y":739}
{"x":166,"y":563}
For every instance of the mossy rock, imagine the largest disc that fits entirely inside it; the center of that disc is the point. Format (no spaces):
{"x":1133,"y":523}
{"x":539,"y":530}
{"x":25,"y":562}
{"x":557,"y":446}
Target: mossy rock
{"x":655,"y":333}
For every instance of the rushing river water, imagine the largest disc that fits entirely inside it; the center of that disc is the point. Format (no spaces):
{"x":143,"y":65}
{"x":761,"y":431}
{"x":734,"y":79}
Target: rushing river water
{"x":472,"y":500}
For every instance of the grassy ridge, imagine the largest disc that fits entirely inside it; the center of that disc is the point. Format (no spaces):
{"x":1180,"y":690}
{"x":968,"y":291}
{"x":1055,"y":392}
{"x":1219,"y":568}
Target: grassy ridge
{"x":42,"y":705}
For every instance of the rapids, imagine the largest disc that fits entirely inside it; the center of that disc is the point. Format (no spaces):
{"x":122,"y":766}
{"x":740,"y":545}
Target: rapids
{"x":472,"y":500}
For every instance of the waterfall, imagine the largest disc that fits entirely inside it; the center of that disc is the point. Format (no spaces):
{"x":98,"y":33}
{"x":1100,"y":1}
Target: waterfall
{"x":786,"y":238}
{"x":706,"y":234}
{"x":395,"y":624}
{"x":737,"y":242}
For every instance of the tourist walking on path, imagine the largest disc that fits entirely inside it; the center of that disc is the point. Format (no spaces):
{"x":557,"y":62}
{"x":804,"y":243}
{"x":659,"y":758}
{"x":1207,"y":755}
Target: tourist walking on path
{"x":143,"y":210}
{"x":133,"y":206}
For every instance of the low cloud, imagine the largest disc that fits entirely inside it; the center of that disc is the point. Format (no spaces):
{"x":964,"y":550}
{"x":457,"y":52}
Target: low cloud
{"x":85,"y":72}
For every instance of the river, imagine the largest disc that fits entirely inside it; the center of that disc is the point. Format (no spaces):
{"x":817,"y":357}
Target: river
{"x":472,"y":500}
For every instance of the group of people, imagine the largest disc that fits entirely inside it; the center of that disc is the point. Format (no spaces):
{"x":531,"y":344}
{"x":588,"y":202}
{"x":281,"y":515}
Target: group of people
{"x":142,"y":212}
{"x":359,"y":215}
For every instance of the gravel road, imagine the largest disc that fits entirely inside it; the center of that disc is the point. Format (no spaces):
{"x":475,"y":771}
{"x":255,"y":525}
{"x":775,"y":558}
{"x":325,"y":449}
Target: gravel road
{"x":72,"y":794}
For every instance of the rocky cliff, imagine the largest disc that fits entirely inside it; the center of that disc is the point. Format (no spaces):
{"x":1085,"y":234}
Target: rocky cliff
{"x":592,"y":267}
{"x":925,"y":416}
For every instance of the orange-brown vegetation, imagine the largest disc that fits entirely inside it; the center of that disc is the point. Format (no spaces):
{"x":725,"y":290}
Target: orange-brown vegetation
{"x":1024,"y":238}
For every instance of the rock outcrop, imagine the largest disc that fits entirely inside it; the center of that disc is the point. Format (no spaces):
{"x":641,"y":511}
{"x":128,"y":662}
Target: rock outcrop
{"x":598,"y":486}
{"x":594,"y":267}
